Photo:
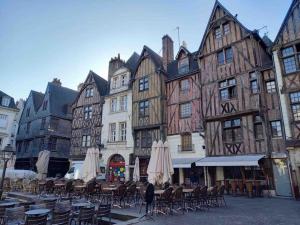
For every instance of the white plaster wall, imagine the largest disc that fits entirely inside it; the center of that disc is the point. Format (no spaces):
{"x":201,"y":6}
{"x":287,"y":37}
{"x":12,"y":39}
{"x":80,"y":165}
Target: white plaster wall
{"x":197,"y":141}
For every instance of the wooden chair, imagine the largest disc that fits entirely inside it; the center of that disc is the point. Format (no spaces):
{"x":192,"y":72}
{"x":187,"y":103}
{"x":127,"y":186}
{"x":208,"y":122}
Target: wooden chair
{"x":85,"y":216}
{"x":2,"y":213}
{"x":61,"y":217}
{"x":177,"y":200}
{"x":36,"y":220}
{"x":50,"y":204}
{"x":15,"y":215}
{"x":164,"y":202}
{"x":119,"y":195}
{"x":104,"y":210}
{"x":26,"y":205}
{"x":49,"y":186}
{"x":130,"y":195}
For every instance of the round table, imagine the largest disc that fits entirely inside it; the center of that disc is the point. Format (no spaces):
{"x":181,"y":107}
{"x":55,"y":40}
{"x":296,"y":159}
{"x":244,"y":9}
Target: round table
{"x":79,"y":205}
{"x":37,"y":212}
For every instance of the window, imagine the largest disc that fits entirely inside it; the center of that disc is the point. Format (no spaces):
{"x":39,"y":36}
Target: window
{"x":276,"y":128}
{"x":183,"y":65}
{"x":19,"y":146}
{"x":144,"y":84}
{"x":88,"y":112}
{"x":26,"y":146}
{"x":258,"y":127}
{"x":112,"y":131}
{"x":295,"y":103}
{"x":5,"y":101}
{"x":232,"y":131}
{"x":228,"y":55}
{"x":1,"y":143}
{"x":123,"y":103}
{"x":185,"y":110}
{"x":137,"y":140}
{"x":123,"y":80}
{"x":52,"y":143}
{"x":184,"y":86}
{"x":144,"y":108}
{"x":114,"y":84}
{"x":218,"y":32}
{"x":225,"y":56}
{"x":123,"y":131}
{"x":43,"y":122}
{"x":3,"y":121}
{"x":227,"y":89}
{"x":89,"y":92}
{"x":113,"y":105}
{"x":54,"y":122}
{"x":28,"y":127}
{"x":42,"y":144}
{"x":86,"y":141}
{"x":186,"y":142}
{"x":253,"y":83}
{"x":27,"y":112}
{"x":226,"y":28}
{"x":271,"y":87}
{"x":291,"y":57}
{"x":146,"y":139}
{"x":45,"y":103}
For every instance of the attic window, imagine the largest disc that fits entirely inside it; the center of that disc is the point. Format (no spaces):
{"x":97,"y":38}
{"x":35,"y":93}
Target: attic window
{"x":5,"y":101}
{"x":45,"y":103}
{"x":123,"y":80}
{"x":218,"y":32}
{"x":226,"y":28}
{"x":183,"y":65}
{"x":89,"y":92}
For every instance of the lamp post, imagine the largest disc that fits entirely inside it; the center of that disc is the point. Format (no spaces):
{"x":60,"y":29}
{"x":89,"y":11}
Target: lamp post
{"x":6,"y":154}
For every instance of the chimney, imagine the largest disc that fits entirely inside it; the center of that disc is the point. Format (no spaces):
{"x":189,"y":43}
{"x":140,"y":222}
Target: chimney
{"x":114,"y":64}
{"x":56,"y":82}
{"x":79,"y":86}
{"x":167,"y":49}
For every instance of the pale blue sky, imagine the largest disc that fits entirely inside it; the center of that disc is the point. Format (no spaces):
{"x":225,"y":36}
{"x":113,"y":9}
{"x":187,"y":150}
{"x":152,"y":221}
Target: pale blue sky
{"x":40,"y":40}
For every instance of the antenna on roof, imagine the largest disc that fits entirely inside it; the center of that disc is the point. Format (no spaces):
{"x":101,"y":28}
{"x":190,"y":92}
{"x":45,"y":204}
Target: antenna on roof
{"x":178,"y":35}
{"x":265,"y":28}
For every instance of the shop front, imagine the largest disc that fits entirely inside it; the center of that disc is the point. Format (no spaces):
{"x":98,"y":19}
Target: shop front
{"x":116,"y":169}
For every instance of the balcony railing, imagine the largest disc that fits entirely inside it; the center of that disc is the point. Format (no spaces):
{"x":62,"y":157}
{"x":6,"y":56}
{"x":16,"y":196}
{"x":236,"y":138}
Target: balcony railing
{"x":186,"y":148}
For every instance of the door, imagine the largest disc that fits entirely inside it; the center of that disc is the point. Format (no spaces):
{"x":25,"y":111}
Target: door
{"x":282,"y":178}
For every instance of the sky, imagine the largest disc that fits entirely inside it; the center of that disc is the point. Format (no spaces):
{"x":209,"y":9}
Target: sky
{"x":41,"y":40}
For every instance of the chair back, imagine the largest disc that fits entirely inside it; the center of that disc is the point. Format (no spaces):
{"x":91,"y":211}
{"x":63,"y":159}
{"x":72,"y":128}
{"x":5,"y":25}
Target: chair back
{"x":177,"y":195}
{"x":131,"y":190}
{"x":36,"y":220}
{"x":37,"y":206}
{"x":26,"y":205}
{"x":90,"y":187}
{"x":69,"y":186}
{"x":167,"y":195}
{"x":196,"y":192}
{"x":49,"y":186}
{"x":103,"y":210}
{"x":15,"y":214}
{"x":221,"y":190}
{"x":61,"y":217}
{"x":214,"y":191}
{"x":121,"y":190}
{"x":203,"y":192}
{"x":86,"y":214}
{"x":50,"y":204}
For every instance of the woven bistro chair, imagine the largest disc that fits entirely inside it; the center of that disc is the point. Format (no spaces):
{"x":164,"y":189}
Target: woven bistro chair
{"x":213,"y":197}
{"x":164,"y":201}
{"x":7,"y":184}
{"x":2,"y":213}
{"x":36,"y":220}
{"x":104,"y":210}
{"x":119,"y":196}
{"x":178,"y":200}
{"x":130,"y":195}
{"x":220,"y":196}
{"x":203,"y":198}
{"x":15,"y":216}
{"x":61,"y":217}
{"x":192,"y":201}
{"x":26,"y":205}
{"x":38,"y":206}
{"x":85,"y":216}
{"x":49,"y":186}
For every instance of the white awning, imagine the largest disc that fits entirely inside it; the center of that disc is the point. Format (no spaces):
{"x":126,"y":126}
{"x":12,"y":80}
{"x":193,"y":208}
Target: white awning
{"x":237,"y":160}
{"x":184,"y":162}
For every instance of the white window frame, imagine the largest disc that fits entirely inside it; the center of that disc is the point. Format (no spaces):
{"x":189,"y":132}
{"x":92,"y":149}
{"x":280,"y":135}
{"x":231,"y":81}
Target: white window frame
{"x":123,"y":131}
{"x":112,"y":132}
{"x":113,"y":104}
{"x":123,"y":103}
{"x":3,"y":120}
{"x":5,"y":101}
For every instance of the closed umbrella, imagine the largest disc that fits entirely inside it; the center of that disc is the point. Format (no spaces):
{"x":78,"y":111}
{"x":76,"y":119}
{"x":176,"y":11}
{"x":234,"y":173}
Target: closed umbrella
{"x":168,"y":165}
{"x":11,"y":162}
{"x":42,"y":164}
{"x":136,"y":170}
{"x":151,"y":170}
{"x":90,"y":167}
{"x":160,"y":162}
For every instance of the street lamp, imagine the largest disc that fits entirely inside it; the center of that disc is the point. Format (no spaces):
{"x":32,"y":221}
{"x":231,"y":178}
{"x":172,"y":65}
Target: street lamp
{"x":6,"y":154}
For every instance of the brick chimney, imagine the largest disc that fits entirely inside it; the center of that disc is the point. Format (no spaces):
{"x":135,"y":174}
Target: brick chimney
{"x":57,"y":82}
{"x":114,"y":64}
{"x":168,"y":50}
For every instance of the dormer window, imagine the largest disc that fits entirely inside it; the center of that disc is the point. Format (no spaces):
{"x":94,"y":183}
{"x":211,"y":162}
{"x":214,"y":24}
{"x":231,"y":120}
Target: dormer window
{"x":114,"y":83}
{"x":27,"y":112}
{"x":45,"y":104}
{"x":89,"y":92}
{"x":183,"y":65}
{"x":5,"y":101}
{"x":224,"y":29}
{"x":218,"y":33}
{"x":123,"y":80}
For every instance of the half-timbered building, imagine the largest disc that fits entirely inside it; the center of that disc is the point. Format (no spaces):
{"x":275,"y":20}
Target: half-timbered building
{"x":286,"y":51}
{"x":241,"y":111}
{"x":117,"y":137}
{"x":45,"y":124}
{"x":87,"y":116}
{"x":183,"y":114}
{"x":148,"y":105}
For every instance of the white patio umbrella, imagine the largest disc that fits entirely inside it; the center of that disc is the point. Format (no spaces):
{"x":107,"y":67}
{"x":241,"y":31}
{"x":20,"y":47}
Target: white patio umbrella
{"x":168,"y":165}
{"x":136,"y":170}
{"x":151,"y":170}
{"x":90,"y":167}
{"x":42,"y":164}
{"x":160,"y":163}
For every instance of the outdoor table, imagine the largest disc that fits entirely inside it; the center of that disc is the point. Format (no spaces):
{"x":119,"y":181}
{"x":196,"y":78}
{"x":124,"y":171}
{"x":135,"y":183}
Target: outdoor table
{"x":77,"y":206}
{"x":8,"y":204}
{"x":158,"y":192}
{"x":109,"y":188}
{"x":48,"y":198}
{"x":187,"y":190}
{"x":37,"y":212}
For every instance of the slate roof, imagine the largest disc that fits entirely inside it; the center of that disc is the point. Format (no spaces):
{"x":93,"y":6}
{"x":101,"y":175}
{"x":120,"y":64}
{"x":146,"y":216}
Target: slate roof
{"x":37,"y":98}
{"x":102,"y":84}
{"x":132,"y":62}
{"x":172,"y":68}
{"x":12,"y":104}
{"x":60,"y":99}
{"x":157,"y":59}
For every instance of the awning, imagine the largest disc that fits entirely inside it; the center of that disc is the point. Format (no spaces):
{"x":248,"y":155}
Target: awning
{"x":237,"y":160}
{"x":184,"y":162}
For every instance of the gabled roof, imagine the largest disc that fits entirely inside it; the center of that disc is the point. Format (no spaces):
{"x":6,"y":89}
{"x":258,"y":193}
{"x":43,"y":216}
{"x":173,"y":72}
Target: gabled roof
{"x":182,"y":48}
{"x":37,"y":98}
{"x":157,"y":59}
{"x":102,"y":84}
{"x":218,"y":4}
{"x":60,"y":98}
{"x":12,"y":104}
{"x":172,"y":68}
{"x":132,"y":62}
{"x":291,"y":8}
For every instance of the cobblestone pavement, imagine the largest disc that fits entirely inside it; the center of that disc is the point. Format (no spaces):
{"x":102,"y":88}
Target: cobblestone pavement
{"x":240,"y":211}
